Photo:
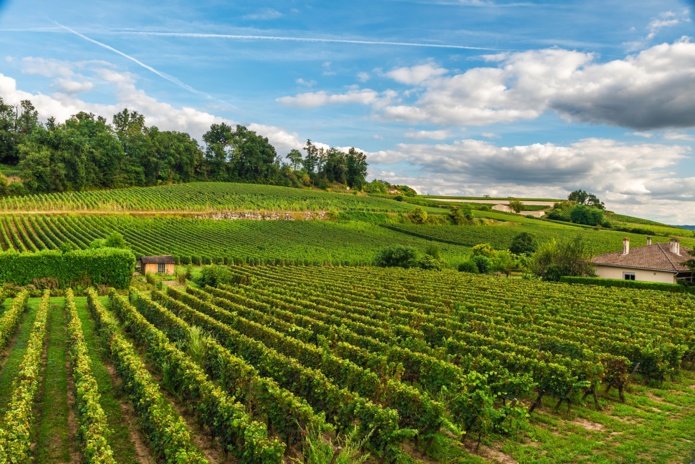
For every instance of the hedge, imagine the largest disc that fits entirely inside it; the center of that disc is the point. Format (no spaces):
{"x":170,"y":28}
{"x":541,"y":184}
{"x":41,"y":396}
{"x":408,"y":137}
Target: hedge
{"x":102,"y":266}
{"x":641,"y":284}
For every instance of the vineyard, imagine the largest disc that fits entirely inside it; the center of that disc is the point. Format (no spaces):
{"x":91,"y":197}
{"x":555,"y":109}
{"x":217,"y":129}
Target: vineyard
{"x":500,"y":235}
{"x":205,"y":240}
{"x":284,"y":362}
{"x":201,"y":196}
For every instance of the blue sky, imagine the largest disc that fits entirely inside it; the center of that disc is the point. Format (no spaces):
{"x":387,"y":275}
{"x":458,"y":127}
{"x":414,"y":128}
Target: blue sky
{"x":510,"y":98}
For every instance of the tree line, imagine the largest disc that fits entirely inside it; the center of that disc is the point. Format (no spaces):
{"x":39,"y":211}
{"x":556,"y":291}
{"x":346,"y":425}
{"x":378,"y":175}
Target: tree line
{"x":87,"y":152}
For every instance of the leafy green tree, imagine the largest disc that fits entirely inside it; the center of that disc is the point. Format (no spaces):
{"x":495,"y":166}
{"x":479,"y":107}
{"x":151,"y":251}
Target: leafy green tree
{"x":456,"y":216}
{"x":555,"y":259}
{"x":115,"y":240}
{"x":468,"y":266}
{"x":311,"y":161}
{"x":516,"y":205}
{"x":397,"y":256}
{"x":523,"y":243}
{"x":335,"y":168}
{"x":483,"y":263}
{"x":295,"y":157}
{"x":484,"y":249}
{"x":581,"y":214}
{"x":219,"y":141}
{"x":583,"y":198}
{"x":356,"y":175}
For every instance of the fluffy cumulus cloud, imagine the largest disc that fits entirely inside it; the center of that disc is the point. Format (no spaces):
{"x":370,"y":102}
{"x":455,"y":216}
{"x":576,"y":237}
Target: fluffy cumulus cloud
{"x":316,"y":99}
{"x":652,"y":89}
{"x":626,"y":175}
{"x":71,"y":79}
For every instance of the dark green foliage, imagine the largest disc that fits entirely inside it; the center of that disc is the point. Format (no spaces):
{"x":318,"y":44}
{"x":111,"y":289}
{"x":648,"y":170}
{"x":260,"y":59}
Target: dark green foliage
{"x":468,"y":266}
{"x":417,"y":216}
{"x":397,"y":256}
{"x":567,"y":258}
{"x":104,"y":266}
{"x":523,"y":243}
{"x":583,"y":198}
{"x":430,"y":262}
{"x":580,"y":214}
{"x":214,"y":275}
{"x":483,"y":263}
{"x":4,"y":186}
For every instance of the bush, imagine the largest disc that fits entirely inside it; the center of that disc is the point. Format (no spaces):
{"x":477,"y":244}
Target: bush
{"x":568,"y":258}
{"x":431,"y":263}
{"x":397,"y":256}
{"x":468,"y":266}
{"x":103,"y":266}
{"x":417,"y":216}
{"x":214,"y":275}
{"x":483,"y":263}
{"x":523,"y":243}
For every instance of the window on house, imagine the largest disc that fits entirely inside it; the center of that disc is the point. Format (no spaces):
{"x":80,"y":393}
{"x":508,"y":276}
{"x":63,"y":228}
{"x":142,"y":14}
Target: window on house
{"x":629,"y":275}
{"x":162,"y":268}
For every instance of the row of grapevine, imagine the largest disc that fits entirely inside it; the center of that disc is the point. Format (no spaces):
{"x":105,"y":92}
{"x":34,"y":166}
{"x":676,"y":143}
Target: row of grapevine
{"x":226,"y":419}
{"x":16,"y":426}
{"x":12,"y":318}
{"x":205,"y":241}
{"x":170,"y":439}
{"x":93,"y":427}
{"x":200,"y":196}
{"x":342,"y":408}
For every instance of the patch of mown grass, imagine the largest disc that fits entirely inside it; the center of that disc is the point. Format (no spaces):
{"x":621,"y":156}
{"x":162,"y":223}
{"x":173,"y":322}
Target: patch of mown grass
{"x":53,"y":440}
{"x":654,"y":425}
{"x":16,"y":353}
{"x":119,"y":438}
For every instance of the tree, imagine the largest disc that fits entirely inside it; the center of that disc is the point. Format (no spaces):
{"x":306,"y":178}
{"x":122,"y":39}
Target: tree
{"x":516,"y":205}
{"x":311,"y":162}
{"x":583,"y":198}
{"x":356,"y":175}
{"x":219,"y":141}
{"x":523,"y":243}
{"x":397,"y":256}
{"x":295,"y":157}
{"x":457,"y":217}
{"x":555,"y":259}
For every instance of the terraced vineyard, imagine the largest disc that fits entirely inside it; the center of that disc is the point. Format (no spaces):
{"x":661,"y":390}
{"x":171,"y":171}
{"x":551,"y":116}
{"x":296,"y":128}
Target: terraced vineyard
{"x":206,"y":240}
{"x":201,"y":196}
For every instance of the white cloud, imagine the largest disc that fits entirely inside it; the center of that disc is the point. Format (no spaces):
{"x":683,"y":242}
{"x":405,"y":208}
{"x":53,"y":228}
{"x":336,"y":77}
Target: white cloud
{"x":265,"y":14}
{"x":646,"y":135}
{"x":363,"y":77}
{"x":316,"y":99}
{"x":306,"y":83}
{"x":423,"y":134}
{"x":671,"y":135}
{"x":662,"y":20}
{"x":73,"y":87}
{"x":64,"y":104}
{"x":416,"y":75}
{"x":653,"y":89}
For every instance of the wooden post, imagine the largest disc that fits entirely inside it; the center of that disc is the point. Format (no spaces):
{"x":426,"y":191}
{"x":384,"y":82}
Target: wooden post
{"x":336,"y":453}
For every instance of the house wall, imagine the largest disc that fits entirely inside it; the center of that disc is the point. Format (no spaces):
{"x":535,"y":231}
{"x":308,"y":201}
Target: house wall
{"x":608,"y":272}
{"x":152,"y":268}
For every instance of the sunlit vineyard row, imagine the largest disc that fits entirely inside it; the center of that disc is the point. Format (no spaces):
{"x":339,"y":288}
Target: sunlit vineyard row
{"x":500,"y":235}
{"x":199,"y":241}
{"x":201,"y":196}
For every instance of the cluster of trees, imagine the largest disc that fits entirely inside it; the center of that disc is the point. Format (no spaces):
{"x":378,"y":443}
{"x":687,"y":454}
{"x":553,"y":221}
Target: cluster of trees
{"x":86,"y":152}
{"x":580,"y":208}
{"x":407,"y":257}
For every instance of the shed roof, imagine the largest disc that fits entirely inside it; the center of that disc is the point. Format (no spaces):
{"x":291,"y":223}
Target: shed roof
{"x":162,"y":259}
{"x":655,"y":257}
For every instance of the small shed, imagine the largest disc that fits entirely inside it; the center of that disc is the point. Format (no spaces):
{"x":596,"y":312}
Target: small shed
{"x":163,"y":264}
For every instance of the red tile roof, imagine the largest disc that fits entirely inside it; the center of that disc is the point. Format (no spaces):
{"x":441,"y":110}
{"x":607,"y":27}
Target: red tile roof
{"x":163,"y":259}
{"x":655,"y":257}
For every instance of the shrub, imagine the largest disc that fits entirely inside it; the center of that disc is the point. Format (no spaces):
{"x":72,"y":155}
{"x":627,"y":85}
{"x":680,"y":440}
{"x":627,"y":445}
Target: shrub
{"x":523,"y":243}
{"x":431,"y":263}
{"x":483,"y":263}
{"x":214,"y":275}
{"x":397,"y":256}
{"x":417,"y":216}
{"x":468,"y":266}
{"x":103,"y":266}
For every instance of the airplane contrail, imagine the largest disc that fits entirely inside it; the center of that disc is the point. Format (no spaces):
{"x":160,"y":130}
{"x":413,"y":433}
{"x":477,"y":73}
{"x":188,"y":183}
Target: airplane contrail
{"x":165,"y":76}
{"x":199,"y":35}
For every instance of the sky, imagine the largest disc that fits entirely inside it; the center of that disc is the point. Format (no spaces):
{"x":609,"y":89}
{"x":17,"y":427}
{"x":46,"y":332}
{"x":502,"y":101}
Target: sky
{"x":455,"y":97}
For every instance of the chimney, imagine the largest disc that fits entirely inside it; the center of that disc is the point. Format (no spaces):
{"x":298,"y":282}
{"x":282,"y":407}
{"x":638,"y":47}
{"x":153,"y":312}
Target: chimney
{"x":649,"y":240}
{"x":626,"y":245}
{"x":675,"y":246}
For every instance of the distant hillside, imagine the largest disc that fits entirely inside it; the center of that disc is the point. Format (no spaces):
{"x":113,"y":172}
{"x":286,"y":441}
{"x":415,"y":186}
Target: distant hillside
{"x":692,"y":227}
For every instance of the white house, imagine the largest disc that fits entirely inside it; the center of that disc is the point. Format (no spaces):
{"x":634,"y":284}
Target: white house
{"x":656,"y":262}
